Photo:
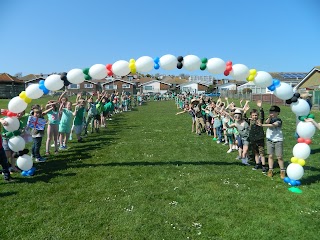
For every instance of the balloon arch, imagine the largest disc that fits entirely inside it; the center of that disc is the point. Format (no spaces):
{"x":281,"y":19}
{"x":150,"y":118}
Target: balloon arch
{"x":240,"y":72}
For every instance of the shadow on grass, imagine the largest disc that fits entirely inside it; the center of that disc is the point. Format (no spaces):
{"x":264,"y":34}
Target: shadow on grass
{"x":6,"y":194}
{"x":145,"y":163}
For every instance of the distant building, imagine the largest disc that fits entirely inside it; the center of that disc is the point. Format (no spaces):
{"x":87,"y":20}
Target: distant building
{"x":154,"y":86}
{"x":193,"y":87}
{"x":119,"y":85}
{"x":10,"y":86}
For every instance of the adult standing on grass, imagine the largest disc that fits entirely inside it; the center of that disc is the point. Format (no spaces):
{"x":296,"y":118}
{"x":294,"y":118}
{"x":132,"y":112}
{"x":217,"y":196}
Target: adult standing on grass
{"x":274,"y":140}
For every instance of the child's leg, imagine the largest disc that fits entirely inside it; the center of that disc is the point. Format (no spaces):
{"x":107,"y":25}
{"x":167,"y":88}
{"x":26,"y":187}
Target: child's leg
{"x":49,"y":136}
{"x":66,"y":138}
{"x":38,"y":141}
{"x":55,"y":129}
{"x":61,"y":138}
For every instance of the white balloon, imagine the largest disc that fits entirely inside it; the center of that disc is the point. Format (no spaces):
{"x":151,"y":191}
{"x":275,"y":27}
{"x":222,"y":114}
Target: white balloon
{"x":216,"y":66}
{"x":240,"y":72}
{"x":53,"y":82}
{"x":17,"y":105}
{"x":121,"y":68}
{"x":13,"y":124}
{"x":306,"y":129}
{"x":263,"y":79}
{"x":300,"y":108}
{"x":75,"y":76}
{"x":16,"y":143}
{"x":98,"y":71}
{"x":144,"y":64}
{"x":284,"y":91}
{"x":168,"y":62}
{"x":301,"y":150}
{"x":191,"y":62}
{"x":33,"y":91}
{"x":24,"y":162}
{"x":295,"y":171}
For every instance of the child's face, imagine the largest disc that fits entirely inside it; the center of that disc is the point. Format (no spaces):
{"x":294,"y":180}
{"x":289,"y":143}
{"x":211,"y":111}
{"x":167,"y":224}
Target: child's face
{"x":254,"y":116}
{"x":237,"y":117}
{"x":63,"y":99}
{"x":36,"y":114}
{"x":274,"y":114}
{"x":68,"y":105}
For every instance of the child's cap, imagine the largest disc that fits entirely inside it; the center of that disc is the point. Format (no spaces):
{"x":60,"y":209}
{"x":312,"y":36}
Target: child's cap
{"x":274,"y":109}
{"x":237,"y":111}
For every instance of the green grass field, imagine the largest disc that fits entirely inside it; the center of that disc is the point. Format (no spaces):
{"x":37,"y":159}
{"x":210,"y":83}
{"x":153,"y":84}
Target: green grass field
{"x":146,"y":176}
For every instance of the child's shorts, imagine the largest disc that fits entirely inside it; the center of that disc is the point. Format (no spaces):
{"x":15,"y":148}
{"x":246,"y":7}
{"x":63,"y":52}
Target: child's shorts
{"x":77,"y":129}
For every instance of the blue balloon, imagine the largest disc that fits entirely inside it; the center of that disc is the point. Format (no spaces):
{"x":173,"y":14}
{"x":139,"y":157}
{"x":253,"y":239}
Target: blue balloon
{"x":286,"y":179}
{"x":24,"y":173}
{"x":293,"y":182}
{"x":41,"y":82}
{"x":45,"y":90}
{"x":272,"y":87}
{"x":298,"y":182}
{"x":276,"y":82}
{"x":156,"y":66}
{"x":156,"y":60}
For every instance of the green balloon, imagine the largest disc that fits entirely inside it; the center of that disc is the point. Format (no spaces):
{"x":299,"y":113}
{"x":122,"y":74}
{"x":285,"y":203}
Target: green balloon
{"x":311,"y":116}
{"x":204,"y":60}
{"x":302,"y":118}
{"x":295,"y":190}
{"x":203,"y":66}
{"x":86,"y":71}
{"x":87,"y":77}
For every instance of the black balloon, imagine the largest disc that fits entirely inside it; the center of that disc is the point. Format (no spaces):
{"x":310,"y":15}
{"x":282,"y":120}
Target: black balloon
{"x":296,"y":95}
{"x":179,"y":65}
{"x":63,"y":76}
{"x":294,"y":99}
{"x":288,"y":101}
{"x":180,"y":59}
{"x":66,"y":82}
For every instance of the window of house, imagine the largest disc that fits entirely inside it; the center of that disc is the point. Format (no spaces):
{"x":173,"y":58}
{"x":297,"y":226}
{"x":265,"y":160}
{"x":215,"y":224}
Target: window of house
{"x":110,"y":87}
{"x":148,"y":87}
{"x":74,"y":86}
{"x":88,"y":85}
{"x":125,"y":85}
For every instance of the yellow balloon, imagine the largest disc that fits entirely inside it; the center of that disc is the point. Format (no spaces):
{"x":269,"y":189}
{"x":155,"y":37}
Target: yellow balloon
{"x":253,"y":72}
{"x":250,"y":78}
{"x":27,"y":100}
{"x":131,"y":65}
{"x":23,"y":95}
{"x":294,"y":160}
{"x":132,"y":60}
{"x":302,"y":162}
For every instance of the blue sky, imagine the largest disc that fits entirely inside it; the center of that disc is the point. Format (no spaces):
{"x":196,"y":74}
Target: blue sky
{"x":59,"y":35}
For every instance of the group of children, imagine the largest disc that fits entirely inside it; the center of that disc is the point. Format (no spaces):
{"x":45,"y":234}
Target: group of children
{"x":230,"y":125}
{"x":61,"y":118}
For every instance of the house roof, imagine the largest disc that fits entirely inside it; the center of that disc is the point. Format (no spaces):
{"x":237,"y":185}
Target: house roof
{"x":175,"y":80}
{"x":5,"y":77}
{"x":187,"y":83}
{"x":31,"y":77}
{"x":142,"y":80}
{"x":152,"y":81}
{"x":120,"y":80}
{"x":306,"y":78}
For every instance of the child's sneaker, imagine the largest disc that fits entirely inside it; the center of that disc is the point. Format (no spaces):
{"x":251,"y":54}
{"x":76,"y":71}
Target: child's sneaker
{"x":229,"y":151}
{"x":264,"y":170}
{"x":256,"y":167}
{"x":40,"y":159}
{"x":226,"y":143}
{"x":238,"y":157}
{"x":218,"y":141}
{"x":282,"y":174}
{"x":270,"y":173}
{"x":245,"y":161}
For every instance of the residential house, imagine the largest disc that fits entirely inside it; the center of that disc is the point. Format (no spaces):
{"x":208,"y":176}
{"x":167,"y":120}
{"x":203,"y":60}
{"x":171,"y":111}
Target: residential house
{"x":193,"y":87}
{"x":154,"y":86}
{"x":311,"y":80}
{"x":120,"y":86}
{"x":10,"y":86}
{"x":86,"y":87}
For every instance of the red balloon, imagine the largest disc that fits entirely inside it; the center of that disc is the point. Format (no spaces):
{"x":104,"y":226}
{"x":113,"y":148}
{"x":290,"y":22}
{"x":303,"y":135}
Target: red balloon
{"x":110,"y":73}
{"x":308,"y":141}
{"x":226,"y":72}
{"x":229,"y":68}
{"x":229,"y":63}
{"x":4,"y":112}
{"x":109,"y":66}
{"x":11,"y":114}
{"x":300,"y":140}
